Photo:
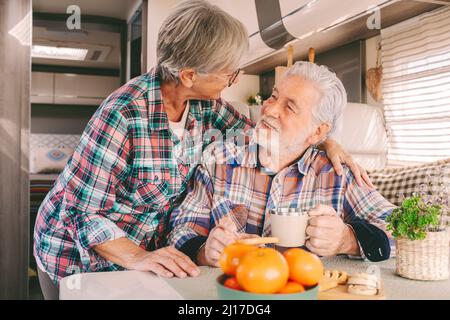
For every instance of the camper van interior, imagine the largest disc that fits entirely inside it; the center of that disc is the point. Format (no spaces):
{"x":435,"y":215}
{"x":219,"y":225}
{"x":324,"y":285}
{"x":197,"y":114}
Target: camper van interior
{"x":61,"y":59}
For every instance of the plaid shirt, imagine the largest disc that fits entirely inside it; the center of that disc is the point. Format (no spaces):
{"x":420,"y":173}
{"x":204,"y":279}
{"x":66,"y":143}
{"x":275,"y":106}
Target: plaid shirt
{"x":233,"y":183}
{"x":124,"y":177}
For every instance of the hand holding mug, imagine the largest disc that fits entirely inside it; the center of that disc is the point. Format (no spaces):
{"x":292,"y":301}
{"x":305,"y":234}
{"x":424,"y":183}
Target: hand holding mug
{"x":328,"y":234}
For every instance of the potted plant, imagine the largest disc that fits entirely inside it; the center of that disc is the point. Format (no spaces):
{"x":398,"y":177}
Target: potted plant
{"x":254,"y":100}
{"x":255,"y":103}
{"x":422,"y":241}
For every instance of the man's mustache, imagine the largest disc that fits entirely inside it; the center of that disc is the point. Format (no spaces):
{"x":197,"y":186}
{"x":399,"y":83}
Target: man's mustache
{"x":270,"y":122}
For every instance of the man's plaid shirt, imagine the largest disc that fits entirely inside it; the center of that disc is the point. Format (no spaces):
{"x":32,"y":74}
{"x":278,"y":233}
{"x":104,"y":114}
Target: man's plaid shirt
{"x":232,"y":182}
{"x":124,"y":177}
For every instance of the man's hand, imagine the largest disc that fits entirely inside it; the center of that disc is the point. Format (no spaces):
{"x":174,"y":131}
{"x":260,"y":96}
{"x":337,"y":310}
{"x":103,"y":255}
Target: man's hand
{"x":328,"y":234}
{"x":224,"y":234}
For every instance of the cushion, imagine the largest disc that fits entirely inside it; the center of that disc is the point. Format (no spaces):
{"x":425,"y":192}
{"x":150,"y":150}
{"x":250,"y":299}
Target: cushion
{"x":363,"y":135}
{"x":396,"y":183}
{"x":50,"y":152}
{"x":49,"y":159}
{"x":54,"y":140}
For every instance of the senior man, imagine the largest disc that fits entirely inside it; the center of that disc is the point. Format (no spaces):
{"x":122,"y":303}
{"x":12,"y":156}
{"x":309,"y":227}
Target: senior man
{"x":246,"y":182}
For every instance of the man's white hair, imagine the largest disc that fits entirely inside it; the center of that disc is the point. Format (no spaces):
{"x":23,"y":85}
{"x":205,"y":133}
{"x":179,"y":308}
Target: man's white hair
{"x":333,"y":95}
{"x":201,"y":36}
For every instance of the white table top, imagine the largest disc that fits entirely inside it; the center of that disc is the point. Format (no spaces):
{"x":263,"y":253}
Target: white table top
{"x":144,"y":285}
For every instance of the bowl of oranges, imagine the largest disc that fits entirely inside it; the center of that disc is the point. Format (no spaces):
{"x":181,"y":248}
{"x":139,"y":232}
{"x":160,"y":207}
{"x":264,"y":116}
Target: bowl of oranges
{"x":259,"y":273}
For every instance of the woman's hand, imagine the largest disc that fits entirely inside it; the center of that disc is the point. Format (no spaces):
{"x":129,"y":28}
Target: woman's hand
{"x":337,"y":156}
{"x":165,"y":262}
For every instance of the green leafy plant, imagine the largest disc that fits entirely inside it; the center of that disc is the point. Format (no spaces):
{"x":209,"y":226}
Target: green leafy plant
{"x":251,"y":100}
{"x":413,"y":219}
{"x":255,"y":100}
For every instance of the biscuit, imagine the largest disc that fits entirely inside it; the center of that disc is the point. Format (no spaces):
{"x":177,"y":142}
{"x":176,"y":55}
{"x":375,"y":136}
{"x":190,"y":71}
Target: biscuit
{"x":339,"y":276}
{"x":363,"y":284}
{"x":361,"y":290}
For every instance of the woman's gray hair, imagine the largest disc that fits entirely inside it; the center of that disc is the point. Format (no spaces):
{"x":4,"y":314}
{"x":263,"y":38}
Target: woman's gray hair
{"x":201,"y":36}
{"x":334,"y":97}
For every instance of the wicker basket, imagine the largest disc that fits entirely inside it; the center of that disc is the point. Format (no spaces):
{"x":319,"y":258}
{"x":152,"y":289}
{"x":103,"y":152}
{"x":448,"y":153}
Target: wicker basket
{"x":424,"y":259}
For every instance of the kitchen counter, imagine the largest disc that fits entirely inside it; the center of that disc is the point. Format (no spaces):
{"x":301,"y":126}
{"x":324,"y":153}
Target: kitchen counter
{"x":144,"y":285}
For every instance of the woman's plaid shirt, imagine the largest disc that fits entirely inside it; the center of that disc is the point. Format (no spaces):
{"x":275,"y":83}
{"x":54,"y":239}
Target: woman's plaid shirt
{"x":124,"y":177}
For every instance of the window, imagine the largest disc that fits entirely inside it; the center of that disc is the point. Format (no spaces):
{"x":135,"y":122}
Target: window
{"x":416,"y":88}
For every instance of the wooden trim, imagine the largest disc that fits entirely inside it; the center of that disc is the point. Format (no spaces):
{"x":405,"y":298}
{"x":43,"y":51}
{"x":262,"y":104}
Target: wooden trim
{"x":362,"y":45}
{"x":123,"y":53}
{"x":55,"y":105}
{"x":76,"y":70}
{"x":62,"y":17}
{"x":14,"y":157}
{"x":144,"y":66}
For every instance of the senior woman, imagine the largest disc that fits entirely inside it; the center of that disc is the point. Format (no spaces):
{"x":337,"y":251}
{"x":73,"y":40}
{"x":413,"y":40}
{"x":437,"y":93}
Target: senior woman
{"x":106,"y":210}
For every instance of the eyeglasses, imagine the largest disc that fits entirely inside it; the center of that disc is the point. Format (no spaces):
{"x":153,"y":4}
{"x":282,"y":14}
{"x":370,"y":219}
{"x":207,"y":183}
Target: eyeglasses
{"x":233,"y":76}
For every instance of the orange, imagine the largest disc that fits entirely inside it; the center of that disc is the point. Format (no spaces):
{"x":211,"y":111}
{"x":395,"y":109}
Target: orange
{"x":231,"y":255}
{"x":264,"y":270}
{"x":304,"y":267}
{"x":292,"y":287}
{"x":232,"y":284}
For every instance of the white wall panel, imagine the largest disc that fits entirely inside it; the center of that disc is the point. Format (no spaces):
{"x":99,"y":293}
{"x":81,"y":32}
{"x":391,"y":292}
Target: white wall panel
{"x":158,"y":10}
{"x":248,"y":85}
{"x":288,"y":6}
{"x":243,"y":10}
{"x":62,"y":88}
{"x":258,"y":49}
{"x":42,"y":87}
{"x":83,"y":89}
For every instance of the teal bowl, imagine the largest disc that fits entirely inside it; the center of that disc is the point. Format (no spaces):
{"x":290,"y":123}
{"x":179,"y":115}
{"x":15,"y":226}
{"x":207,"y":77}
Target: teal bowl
{"x":225,"y":293}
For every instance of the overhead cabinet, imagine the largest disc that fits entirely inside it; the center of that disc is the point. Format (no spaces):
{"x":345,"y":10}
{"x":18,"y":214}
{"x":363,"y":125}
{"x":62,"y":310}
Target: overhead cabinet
{"x":64,"y":88}
{"x":272,"y":24}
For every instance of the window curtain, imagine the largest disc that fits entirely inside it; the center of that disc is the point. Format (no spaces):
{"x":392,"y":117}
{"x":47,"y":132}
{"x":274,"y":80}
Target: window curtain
{"x":416,"y":88}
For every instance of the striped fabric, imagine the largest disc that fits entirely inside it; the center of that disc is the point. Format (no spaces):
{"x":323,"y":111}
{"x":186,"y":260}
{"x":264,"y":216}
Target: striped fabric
{"x":38,"y":191}
{"x":242,"y":189}
{"x":396,"y":183}
{"x":416,"y":88}
{"x":124,"y":177}
{"x":54,"y":140}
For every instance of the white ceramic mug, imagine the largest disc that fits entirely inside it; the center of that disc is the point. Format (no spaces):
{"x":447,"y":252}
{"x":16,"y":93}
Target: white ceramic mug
{"x":289,"y":226}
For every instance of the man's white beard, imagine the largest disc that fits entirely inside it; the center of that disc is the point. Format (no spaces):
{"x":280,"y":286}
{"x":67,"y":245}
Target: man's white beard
{"x":272,"y":151}
{"x":297,"y":146}
{"x":269,"y":142}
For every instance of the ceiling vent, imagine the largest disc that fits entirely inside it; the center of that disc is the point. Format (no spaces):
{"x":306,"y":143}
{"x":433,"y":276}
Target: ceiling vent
{"x":95,"y":53}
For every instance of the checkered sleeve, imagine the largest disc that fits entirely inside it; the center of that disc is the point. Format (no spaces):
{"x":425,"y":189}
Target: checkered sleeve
{"x":97,"y":164}
{"x":365,"y":203}
{"x":366,"y":210}
{"x":192,"y":218}
{"x":225,"y":117}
